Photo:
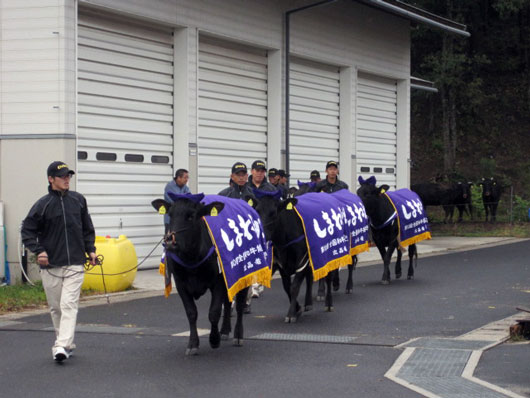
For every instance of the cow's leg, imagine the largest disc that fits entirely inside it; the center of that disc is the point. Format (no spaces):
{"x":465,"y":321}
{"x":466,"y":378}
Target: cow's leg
{"x":351,"y":267}
{"x":336,"y":280}
{"x":398,"y":263}
{"x":308,"y":302}
{"x":461,"y":210}
{"x":286,"y":283}
{"x":486,"y":210}
{"x":385,"y":280}
{"x":321,"y":293}
{"x":493,"y":216}
{"x":191,"y":313}
{"x":214,"y":313}
{"x":413,"y":258}
{"x":329,"y":296}
{"x":241,"y":298}
{"x":294,"y":308}
{"x":226,"y":327}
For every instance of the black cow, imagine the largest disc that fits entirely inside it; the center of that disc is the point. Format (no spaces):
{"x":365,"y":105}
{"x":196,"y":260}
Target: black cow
{"x":193,"y":263}
{"x":384,"y":229}
{"x":491,"y":195}
{"x":447,"y":195}
{"x":463,"y":200}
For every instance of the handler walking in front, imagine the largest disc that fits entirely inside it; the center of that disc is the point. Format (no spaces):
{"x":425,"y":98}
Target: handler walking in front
{"x":59,"y":230}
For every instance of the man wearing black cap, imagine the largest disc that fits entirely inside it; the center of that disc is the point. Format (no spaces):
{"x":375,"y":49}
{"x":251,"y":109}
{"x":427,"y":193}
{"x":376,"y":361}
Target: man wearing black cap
{"x":59,"y":230}
{"x":332,"y":182}
{"x":273,"y":176}
{"x":238,"y":188}
{"x":314,"y":176}
{"x":257,"y":178}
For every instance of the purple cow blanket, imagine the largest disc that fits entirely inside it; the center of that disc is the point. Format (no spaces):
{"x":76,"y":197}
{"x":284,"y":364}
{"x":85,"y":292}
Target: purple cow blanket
{"x":335,"y":226}
{"x":244,"y":255}
{"x":412,"y":219}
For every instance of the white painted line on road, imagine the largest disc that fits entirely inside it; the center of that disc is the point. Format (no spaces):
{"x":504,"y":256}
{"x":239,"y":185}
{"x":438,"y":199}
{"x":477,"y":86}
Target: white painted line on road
{"x":201,"y":332}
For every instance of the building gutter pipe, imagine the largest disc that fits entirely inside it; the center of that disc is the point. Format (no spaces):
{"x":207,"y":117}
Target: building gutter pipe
{"x":287,"y":73}
{"x":394,"y":9}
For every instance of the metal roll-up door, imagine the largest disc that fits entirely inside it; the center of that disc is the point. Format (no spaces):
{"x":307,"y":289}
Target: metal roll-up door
{"x":124,"y":126}
{"x":232,"y":110}
{"x":314,"y":117}
{"x":377,"y":128}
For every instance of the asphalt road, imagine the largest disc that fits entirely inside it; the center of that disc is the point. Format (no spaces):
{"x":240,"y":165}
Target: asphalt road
{"x":129,"y":349}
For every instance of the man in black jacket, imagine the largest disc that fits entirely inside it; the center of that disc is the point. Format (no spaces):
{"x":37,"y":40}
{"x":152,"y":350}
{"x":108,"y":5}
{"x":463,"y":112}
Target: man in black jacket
{"x":239,"y":187}
{"x":59,"y":230}
{"x":332,"y":182}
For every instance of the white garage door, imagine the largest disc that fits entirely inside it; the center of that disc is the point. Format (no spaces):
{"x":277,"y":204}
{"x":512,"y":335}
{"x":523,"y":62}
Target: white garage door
{"x":125,"y":126}
{"x":314,"y":117}
{"x":377,"y":128}
{"x":232,"y":110}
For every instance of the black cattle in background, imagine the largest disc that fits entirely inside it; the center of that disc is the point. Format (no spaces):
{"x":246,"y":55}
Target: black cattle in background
{"x":447,"y":195}
{"x":384,"y":230}
{"x":197,"y":270}
{"x":491,"y":195}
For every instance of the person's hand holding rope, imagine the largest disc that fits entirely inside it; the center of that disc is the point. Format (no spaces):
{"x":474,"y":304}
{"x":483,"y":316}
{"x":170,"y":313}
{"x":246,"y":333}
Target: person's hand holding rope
{"x":42,"y":259}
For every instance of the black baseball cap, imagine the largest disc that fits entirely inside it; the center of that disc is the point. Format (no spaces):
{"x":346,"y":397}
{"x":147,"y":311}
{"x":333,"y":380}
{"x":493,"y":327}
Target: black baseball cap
{"x":259,"y":165}
{"x":273,"y":172}
{"x":239,"y":166}
{"x":282,"y":173}
{"x":59,"y":169}
{"x":314,"y":174}
{"x":331,"y":163}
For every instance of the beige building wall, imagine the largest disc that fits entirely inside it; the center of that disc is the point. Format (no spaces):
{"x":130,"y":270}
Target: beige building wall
{"x":37,"y":103}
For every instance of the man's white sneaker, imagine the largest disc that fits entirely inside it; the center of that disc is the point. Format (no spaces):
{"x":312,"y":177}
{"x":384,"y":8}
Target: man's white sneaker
{"x":60,"y":354}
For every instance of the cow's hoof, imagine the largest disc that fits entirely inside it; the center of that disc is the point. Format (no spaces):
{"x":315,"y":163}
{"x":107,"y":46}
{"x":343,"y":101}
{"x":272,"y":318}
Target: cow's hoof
{"x":398,"y":275}
{"x":215,"y":340}
{"x":291,"y":319}
{"x":385,"y":282}
{"x":349,"y":291}
{"x":225,"y":336}
{"x":238,"y":342}
{"x":320,"y":298}
{"x":336,"y":287}
{"x":192,"y":351}
{"x":330,"y":308}
{"x":410,"y":277}
{"x":308,"y":308}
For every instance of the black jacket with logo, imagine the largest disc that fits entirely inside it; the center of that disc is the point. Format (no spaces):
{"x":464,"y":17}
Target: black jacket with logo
{"x":328,"y":187}
{"x":60,"y":224}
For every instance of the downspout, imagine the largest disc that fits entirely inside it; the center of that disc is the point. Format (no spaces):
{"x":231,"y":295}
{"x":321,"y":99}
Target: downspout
{"x":287,"y":74}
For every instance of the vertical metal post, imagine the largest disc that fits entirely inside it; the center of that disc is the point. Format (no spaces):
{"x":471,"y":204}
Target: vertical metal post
{"x":511,"y":204}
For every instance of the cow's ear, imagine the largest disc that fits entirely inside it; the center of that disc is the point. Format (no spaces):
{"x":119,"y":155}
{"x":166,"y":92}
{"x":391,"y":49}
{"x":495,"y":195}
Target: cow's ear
{"x":253,"y":202}
{"x":161,"y":205}
{"x":287,"y":204}
{"x":383,"y":188}
{"x":213,"y":209}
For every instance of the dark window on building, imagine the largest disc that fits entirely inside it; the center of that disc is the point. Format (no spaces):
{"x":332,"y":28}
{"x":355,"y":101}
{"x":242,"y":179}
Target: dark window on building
{"x":159,"y":159}
{"x":82,"y":155}
{"x":378,"y":169}
{"x":106,"y":156}
{"x":365,"y":169}
{"x":134,"y":158}
{"x":389,"y":170}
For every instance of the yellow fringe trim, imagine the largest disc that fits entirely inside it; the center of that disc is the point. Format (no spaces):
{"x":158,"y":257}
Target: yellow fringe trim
{"x":416,"y":239}
{"x":359,"y":249}
{"x":332,"y":265}
{"x":262,"y":276}
{"x":162,"y":269}
{"x":167,"y":290}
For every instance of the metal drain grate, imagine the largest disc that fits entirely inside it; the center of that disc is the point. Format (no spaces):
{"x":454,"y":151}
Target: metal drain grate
{"x":448,"y":344}
{"x":309,"y":338}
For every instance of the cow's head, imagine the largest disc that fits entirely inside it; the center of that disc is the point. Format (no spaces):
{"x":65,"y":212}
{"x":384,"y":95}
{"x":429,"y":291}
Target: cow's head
{"x":266,"y":204}
{"x":488,"y":186}
{"x":370,"y":194}
{"x":463,"y":189}
{"x":185,"y":221}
